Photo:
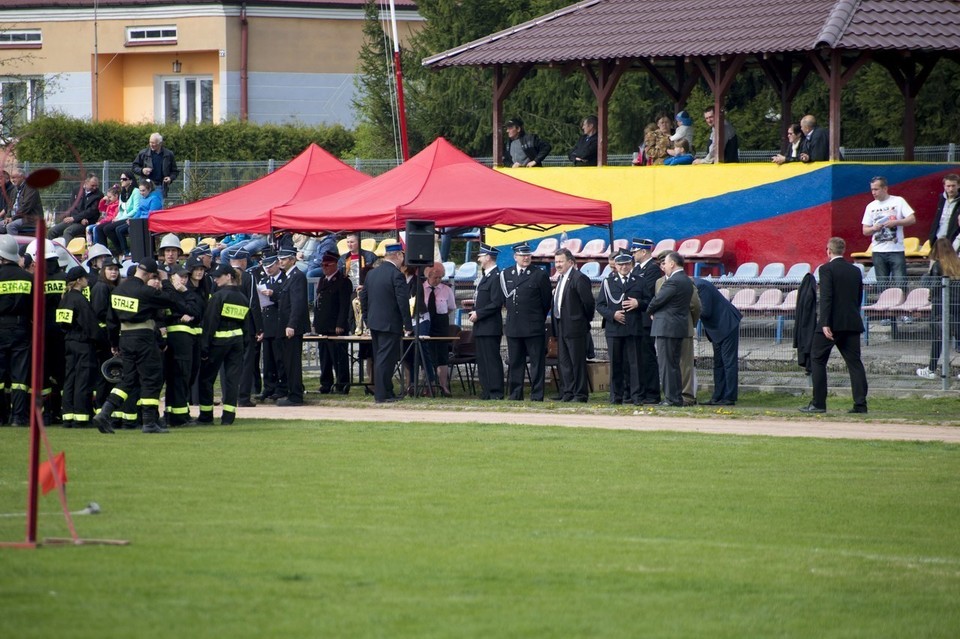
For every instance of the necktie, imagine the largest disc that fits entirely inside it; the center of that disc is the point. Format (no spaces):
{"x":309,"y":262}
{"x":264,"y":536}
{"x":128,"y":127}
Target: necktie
{"x":432,"y":301}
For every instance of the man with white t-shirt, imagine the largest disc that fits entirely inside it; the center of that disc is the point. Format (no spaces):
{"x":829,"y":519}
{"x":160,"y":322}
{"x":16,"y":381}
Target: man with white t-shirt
{"x":884,"y":219}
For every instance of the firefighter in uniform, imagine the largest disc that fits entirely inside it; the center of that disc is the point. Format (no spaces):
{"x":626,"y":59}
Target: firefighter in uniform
{"x":169,"y":253}
{"x":16,"y":309}
{"x":622,"y":328}
{"x":331,"y":313}
{"x":268,"y":286}
{"x":100,"y":293}
{"x":76,"y":318}
{"x":528,"y":298}
{"x":53,"y":348}
{"x":183,"y":336}
{"x":135,"y":303}
{"x":253,"y":328}
{"x":221,"y":343}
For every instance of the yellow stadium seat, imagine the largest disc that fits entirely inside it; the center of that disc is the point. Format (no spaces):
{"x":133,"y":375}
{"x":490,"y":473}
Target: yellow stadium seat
{"x":868,"y":254}
{"x":342,"y":246}
{"x":209,"y":241}
{"x":368,"y":244}
{"x":382,"y":247}
{"x":925,"y":249}
{"x":911,"y":247}
{"x":77,"y":246}
{"x":187,"y":244}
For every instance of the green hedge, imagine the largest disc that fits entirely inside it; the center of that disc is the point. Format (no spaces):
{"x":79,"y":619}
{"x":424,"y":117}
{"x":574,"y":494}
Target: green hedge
{"x":59,"y":138}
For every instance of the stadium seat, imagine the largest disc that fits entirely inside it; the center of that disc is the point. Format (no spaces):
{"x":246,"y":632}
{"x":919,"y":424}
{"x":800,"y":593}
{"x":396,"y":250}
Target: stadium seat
{"x":187,"y":244}
{"x":863,"y":255}
{"x":546,"y":248}
{"x":592,"y":249}
{"x":382,"y":247}
{"x":710,"y":255}
{"x":772,"y":271}
{"x":367,"y":244}
{"x":466,"y":272}
{"x":606,"y":271}
{"x":616,"y":246}
{"x":786,"y":309}
{"x":449,"y":270}
{"x":342,"y":247}
{"x":925,"y":249}
{"x":689,"y":248}
{"x":591,"y":270}
{"x":769,"y":300}
{"x":744,"y":298}
{"x":746,"y":271}
{"x":663,"y":246}
{"x":209,"y":241}
{"x":574,"y":244}
{"x":725,"y":292}
{"x":889,"y":299}
{"x":911,"y":247}
{"x":797,"y":271}
{"x":77,"y":246}
{"x":916,"y":303}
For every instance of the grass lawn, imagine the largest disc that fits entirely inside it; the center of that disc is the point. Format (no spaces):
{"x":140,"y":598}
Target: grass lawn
{"x":332,"y":529}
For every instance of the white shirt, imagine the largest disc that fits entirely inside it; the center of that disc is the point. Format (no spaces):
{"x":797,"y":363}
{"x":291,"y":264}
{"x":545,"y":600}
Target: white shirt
{"x":443,"y":294}
{"x":887,"y":240}
{"x":949,"y":208}
{"x":560,"y":287}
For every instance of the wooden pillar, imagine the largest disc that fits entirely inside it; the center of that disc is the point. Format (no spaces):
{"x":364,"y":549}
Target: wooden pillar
{"x":719,"y":78}
{"x":603,"y":80}
{"x":909,"y":79}
{"x":836,"y":78}
{"x":503,"y":86}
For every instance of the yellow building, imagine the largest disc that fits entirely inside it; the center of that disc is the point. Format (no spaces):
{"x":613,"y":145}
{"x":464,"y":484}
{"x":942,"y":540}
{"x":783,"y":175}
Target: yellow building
{"x":185,"y":61}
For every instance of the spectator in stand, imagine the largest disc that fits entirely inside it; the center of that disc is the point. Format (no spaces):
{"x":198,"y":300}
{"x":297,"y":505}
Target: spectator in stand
{"x":109,"y":206}
{"x":156,"y":163}
{"x":884,"y":219}
{"x":83,"y":212}
{"x":150,"y":200}
{"x":795,"y":147}
{"x":943,"y":263}
{"x":585,"y":152}
{"x":945,"y":220}
{"x":235,"y":240}
{"x":680,"y":154}
{"x":325,"y":248}
{"x":7,"y":191}
{"x":818,"y":141}
{"x":731,"y":144}
{"x":26,"y":208}
{"x":684,"y":130}
{"x":522,"y":149}
{"x":127,"y":208}
{"x":655,"y":145}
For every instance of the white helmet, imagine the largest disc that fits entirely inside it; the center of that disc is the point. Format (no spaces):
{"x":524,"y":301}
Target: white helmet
{"x":63,"y":255}
{"x":170,"y":240}
{"x":49,"y":250}
{"x":9,"y":249}
{"x":97,"y":250}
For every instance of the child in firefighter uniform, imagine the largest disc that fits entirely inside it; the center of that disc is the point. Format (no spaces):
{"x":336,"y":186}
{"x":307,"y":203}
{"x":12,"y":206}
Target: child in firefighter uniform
{"x":16,"y":310}
{"x":221,"y":343}
{"x":76,"y":318}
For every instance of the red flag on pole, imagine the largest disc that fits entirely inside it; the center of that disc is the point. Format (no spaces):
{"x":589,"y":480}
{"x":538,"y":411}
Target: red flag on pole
{"x":45,"y":475}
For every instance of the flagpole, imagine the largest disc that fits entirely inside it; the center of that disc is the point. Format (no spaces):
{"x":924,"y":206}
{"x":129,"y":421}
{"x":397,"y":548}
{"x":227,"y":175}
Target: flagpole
{"x":398,"y":74}
{"x":36,"y":380}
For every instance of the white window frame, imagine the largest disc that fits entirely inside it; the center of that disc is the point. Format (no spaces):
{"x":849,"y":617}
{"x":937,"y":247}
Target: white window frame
{"x":140,"y":36}
{"x":21,"y":38}
{"x":160,"y":109}
{"x":35,"y":94}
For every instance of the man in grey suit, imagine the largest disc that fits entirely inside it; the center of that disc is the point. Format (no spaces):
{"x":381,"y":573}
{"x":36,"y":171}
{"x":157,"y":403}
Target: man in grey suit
{"x":385,"y":302}
{"x":670,"y":311}
{"x":573,"y":308}
{"x":839,"y":323}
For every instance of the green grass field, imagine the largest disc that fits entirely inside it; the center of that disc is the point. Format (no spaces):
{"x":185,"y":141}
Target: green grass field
{"x":300,"y":529}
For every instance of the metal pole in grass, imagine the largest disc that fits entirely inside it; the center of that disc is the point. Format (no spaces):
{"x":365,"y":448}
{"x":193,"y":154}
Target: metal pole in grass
{"x":945,"y":333}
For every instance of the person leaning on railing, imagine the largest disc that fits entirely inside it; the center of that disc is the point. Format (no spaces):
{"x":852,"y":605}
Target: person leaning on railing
{"x":943,"y":263}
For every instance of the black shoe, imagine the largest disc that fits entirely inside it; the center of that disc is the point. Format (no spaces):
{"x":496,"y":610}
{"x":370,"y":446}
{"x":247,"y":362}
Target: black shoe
{"x":286,"y":401}
{"x":389,"y":400}
{"x":810,"y":408}
{"x":690,"y":403}
{"x":151,"y":429}
{"x":103,"y":424}
{"x":246,"y":403}
{"x":367,"y":390}
{"x":226,"y":421}
{"x":650,"y":401}
{"x":858,"y":409}
{"x":722,"y":402}
{"x":343,"y":390}
{"x":324,"y":390}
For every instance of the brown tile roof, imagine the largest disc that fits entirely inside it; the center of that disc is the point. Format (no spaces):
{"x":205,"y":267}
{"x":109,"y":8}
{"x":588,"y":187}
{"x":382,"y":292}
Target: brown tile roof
{"x":616,"y":29}
{"x":79,"y":4}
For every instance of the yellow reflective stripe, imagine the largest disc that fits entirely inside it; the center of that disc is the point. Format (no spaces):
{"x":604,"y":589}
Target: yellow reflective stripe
{"x":130,"y":417}
{"x":227,"y":408}
{"x":224,"y":334}
{"x":124,"y":303}
{"x":149,"y":402}
{"x":54,"y":286}
{"x":64,"y":316}
{"x":80,"y":417}
{"x":178,"y":411}
{"x":206,"y":409}
{"x":86,"y":292}
{"x":102,"y":324}
{"x":46,"y":391}
{"x":183,"y":328}
{"x":119,"y":393}
{"x":16,"y":287}
{"x":67,"y":417}
{"x":234,"y":311}
{"x":19,"y":387}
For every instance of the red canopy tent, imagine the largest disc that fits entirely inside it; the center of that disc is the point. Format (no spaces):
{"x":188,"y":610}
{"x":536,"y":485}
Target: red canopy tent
{"x":312,"y":174}
{"x":446,"y":186}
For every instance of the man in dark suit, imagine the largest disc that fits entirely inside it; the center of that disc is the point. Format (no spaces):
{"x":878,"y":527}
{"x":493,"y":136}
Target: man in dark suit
{"x":331,"y":313}
{"x":295,"y":320}
{"x":721,"y":322}
{"x":385,"y":301}
{"x":840,"y":324}
{"x":26,"y":208}
{"x":818,"y":141}
{"x":527,"y":296}
{"x":573,"y":308}
{"x":945,"y":221}
{"x":621,"y":327}
{"x":269,"y":281}
{"x":670,"y":310}
{"x":84,"y":211}
{"x":646,"y":272}
{"x":487,"y":320}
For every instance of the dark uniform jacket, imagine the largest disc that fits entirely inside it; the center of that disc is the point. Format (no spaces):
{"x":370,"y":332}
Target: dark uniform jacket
{"x":332,"y":304}
{"x":528,"y":299}
{"x":133,"y":301}
{"x":85,"y":206}
{"x":718,"y":316}
{"x":610,"y":299}
{"x":647,"y":276}
{"x":270,"y":313}
{"x":385,"y":300}
{"x":76,"y":318}
{"x":805,"y":321}
{"x":224,"y":318}
{"x":292,"y":303}
{"x":16,"y":295}
{"x":489,"y":306}
{"x":168,"y":166}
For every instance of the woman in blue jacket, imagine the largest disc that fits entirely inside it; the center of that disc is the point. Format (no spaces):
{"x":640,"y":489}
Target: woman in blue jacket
{"x":151,"y":199}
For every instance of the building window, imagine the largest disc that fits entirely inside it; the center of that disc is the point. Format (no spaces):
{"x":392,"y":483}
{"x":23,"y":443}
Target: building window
{"x":21,"y":100}
{"x":21,"y":39}
{"x":187,"y":100}
{"x":151,"y":35}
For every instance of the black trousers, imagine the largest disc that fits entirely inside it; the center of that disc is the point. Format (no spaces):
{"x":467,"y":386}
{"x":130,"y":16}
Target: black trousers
{"x":274,"y":377}
{"x":81,"y":375}
{"x":293,"y":367}
{"x":229,"y":354}
{"x":142,"y":375}
{"x":15,"y":367}
{"x":518,"y":350}
{"x":572,"y":360}
{"x":250,"y":381}
{"x":177,"y":367}
{"x":54,"y":370}
{"x":649,"y":387}
{"x":489,"y":366}
{"x":848,"y":343}
{"x":334,"y":361}
{"x":726,"y":368}
{"x":624,"y":371}
{"x":386,"y":356}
